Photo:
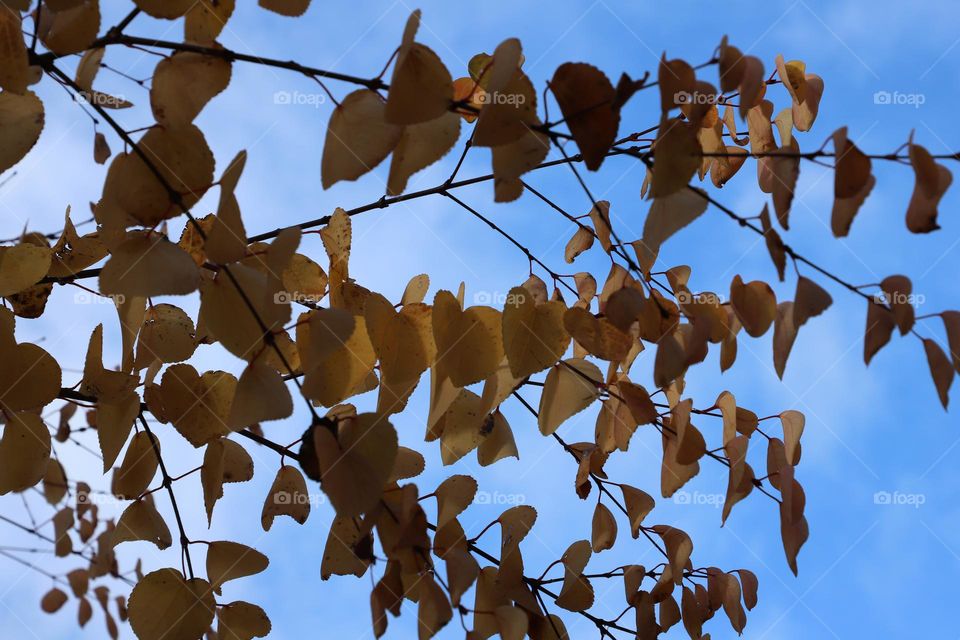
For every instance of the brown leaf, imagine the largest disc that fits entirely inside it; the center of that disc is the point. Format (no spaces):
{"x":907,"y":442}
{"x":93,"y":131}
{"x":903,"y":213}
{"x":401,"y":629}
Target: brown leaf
{"x":586,"y":98}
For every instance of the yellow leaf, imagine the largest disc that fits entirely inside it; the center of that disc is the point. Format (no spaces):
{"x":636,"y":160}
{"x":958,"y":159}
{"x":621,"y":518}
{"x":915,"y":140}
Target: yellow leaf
{"x":99,"y":382}
{"x":14,"y":63}
{"x":114,"y":422}
{"x":141,"y":521}
{"x":793,"y":422}
{"x":805,"y":113}
{"x":513,"y":159}
{"x":288,"y":496}
{"x":231,"y":560}
{"x":205,"y":20}
{"x":533,"y":335}
{"x":677,"y":157}
{"x":358,"y":137}
{"x":355,"y":462}
{"x":138,"y":468}
{"x":577,"y":592}
{"x":261,"y":395}
{"x":793,"y":76}
{"x":147,"y":264}
{"x":198,"y":406}
{"x":603,"y":529}
{"x":70,"y":30}
{"x":731,"y":65}
{"x":421,"y":88}
{"x":638,"y":504}
{"x":460,"y":427}
{"x":24,"y":451}
{"x":809,"y":301}
{"x":404,"y":345}
{"x":570,"y":387}
{"x":454,"y":495}
{"x":509,"y":99}
{"x":496,"y":443}
{"x":337,"y":355}
{"x":785,"y":170}
{"x":755,"y":305}
{"x":581,"y":241}
{"x":416,"y":289}
{"x":679,"y":547}
{"x":741,"y":477}
{"x":22,"y":266}
{"x":180,"y":155}
{"x":597,"y":335}
{"x":167,"y":335}
{"x":242,"y":620}
{"x":512,"y":622}
{"x":434,"y":611}
{"x":73,"y":252}
{"x":223,"y":461}
{"x":163,"y":606}
{"x":226,"y":314}
{"x":31,"y":378}
{"x":54,"y":482}
{"x":340,"y":555}
{"x":304,"y":277}
{"x":469,"y":343}
{"x":184,"y":83}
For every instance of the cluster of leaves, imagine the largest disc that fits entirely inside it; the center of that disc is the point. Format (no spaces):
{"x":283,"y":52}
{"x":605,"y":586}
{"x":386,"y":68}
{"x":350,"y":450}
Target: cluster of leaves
{"x":359,"y":341}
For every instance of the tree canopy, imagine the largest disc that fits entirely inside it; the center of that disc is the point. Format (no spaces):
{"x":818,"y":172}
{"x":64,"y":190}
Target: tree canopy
{"x":340,"y":362}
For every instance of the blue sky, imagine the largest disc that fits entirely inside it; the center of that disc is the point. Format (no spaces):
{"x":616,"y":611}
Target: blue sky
{"x":868,"y":431}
